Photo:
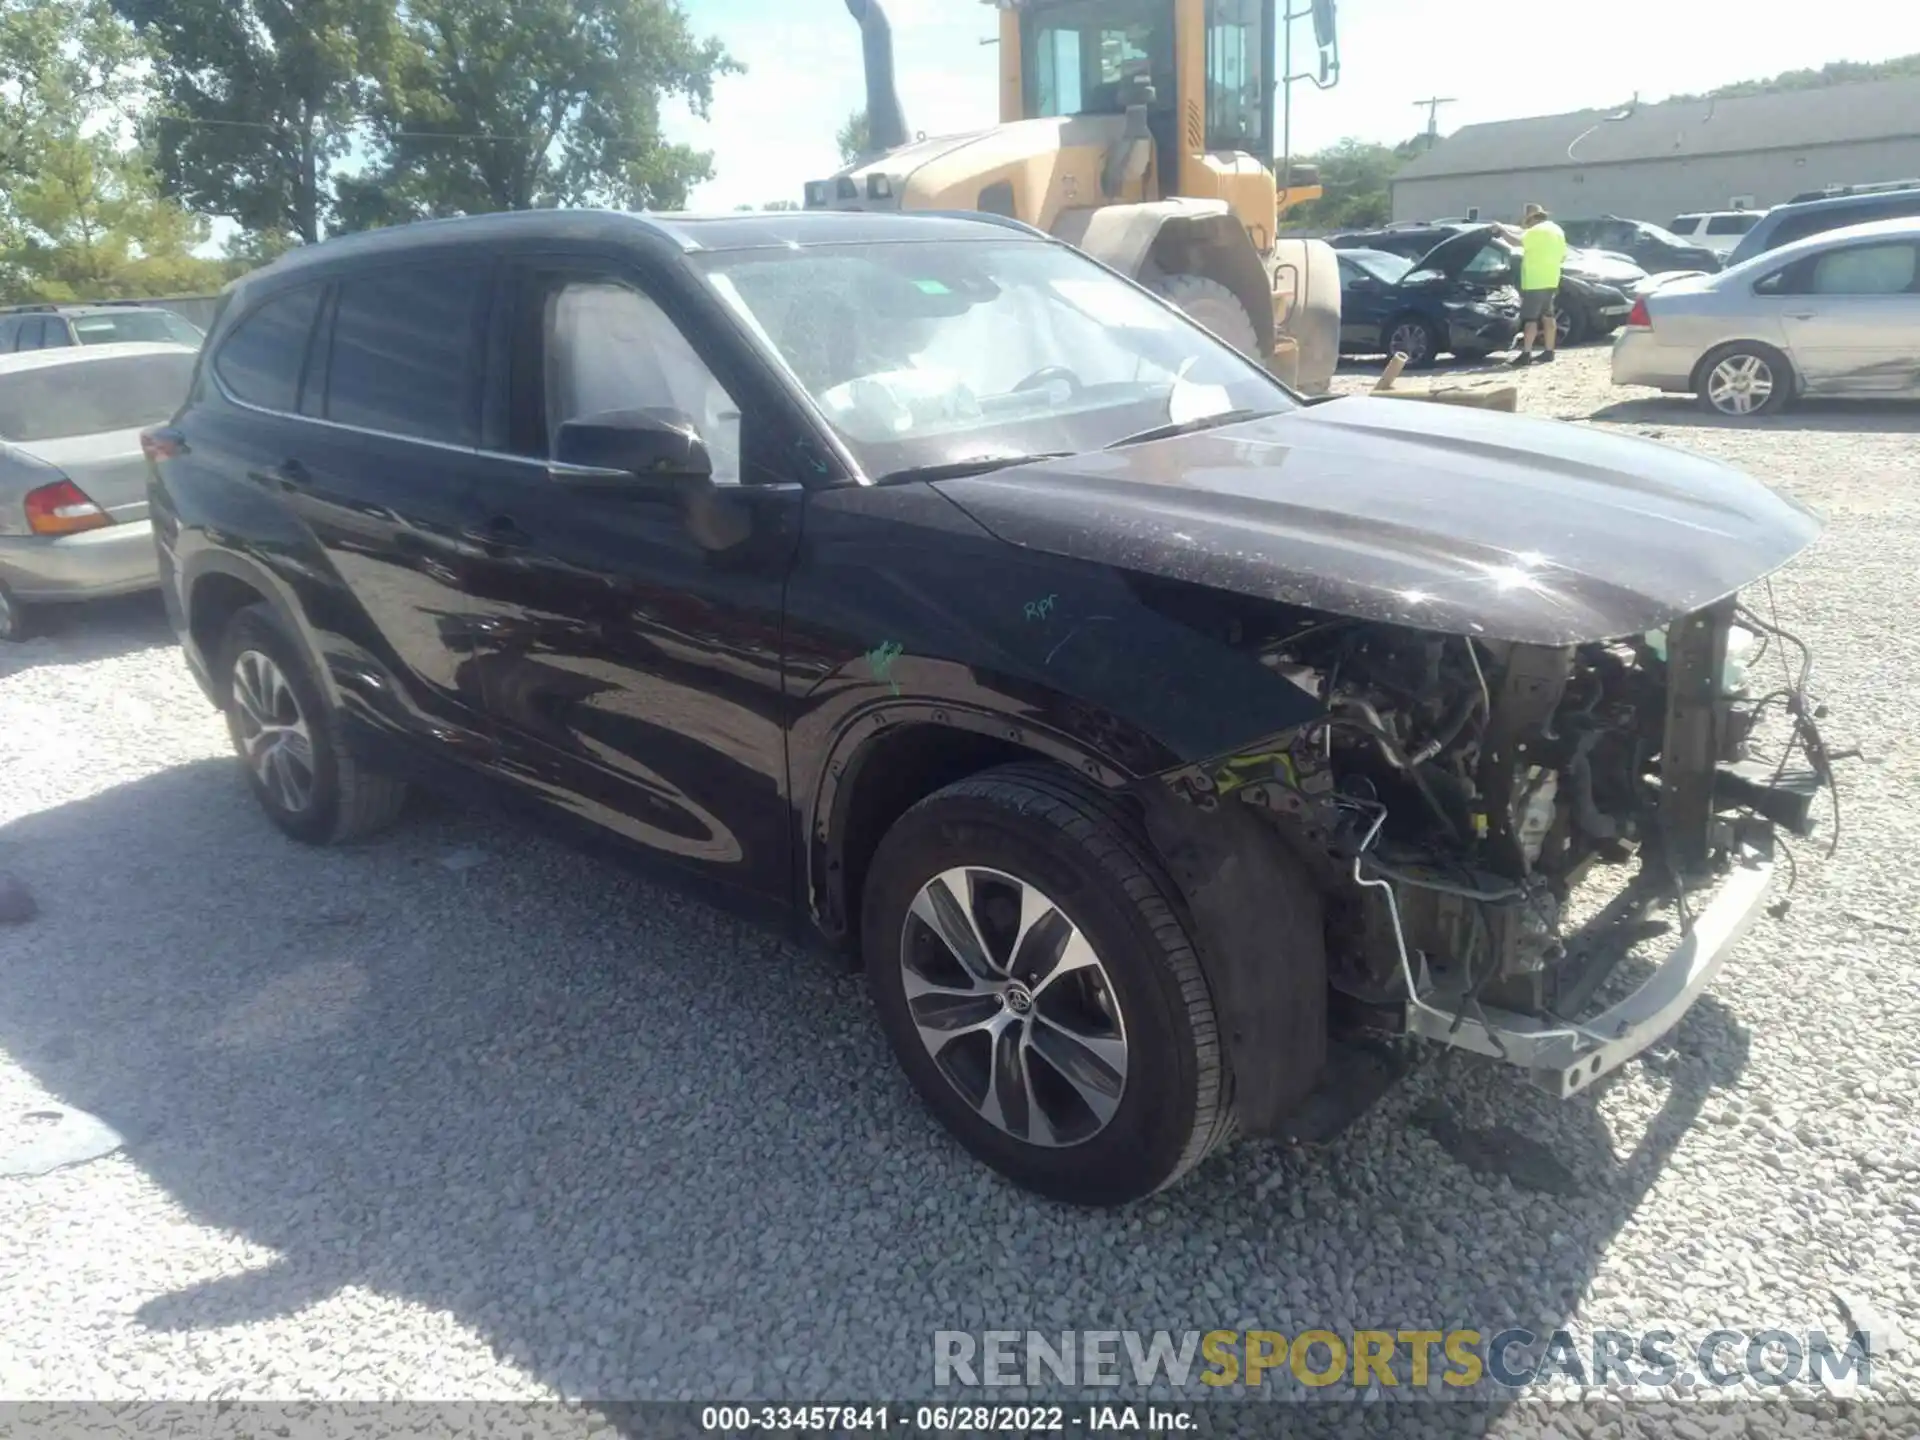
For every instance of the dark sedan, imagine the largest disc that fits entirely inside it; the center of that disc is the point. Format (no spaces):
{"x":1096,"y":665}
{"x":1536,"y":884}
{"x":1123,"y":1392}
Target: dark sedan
{"x":1590,"y":304}
{"x":1389,"y":305}
{"x":1654,"y":248}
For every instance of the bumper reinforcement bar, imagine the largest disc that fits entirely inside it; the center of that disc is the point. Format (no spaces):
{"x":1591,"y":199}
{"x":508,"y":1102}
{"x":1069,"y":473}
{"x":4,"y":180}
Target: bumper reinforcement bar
{"x":1561,"y":1057}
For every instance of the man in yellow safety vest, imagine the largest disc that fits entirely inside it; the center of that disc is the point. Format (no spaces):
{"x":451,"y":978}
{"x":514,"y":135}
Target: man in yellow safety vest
{"x":1543,"y":249}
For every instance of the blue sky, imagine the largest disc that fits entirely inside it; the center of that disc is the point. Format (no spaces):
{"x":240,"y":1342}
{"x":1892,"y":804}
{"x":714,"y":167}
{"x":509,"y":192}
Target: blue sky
{"x":773,"y":127}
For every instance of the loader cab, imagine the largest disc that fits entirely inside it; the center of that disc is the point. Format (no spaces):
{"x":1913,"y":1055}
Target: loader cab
{"x":1094,"y":57}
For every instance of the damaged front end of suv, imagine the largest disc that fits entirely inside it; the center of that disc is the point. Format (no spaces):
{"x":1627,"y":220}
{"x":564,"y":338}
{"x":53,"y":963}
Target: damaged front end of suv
{"x":1457,"y":799}
{"x":1516,"y":704}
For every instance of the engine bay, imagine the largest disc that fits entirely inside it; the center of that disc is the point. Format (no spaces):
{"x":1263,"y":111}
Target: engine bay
{"x":1456,"y":792}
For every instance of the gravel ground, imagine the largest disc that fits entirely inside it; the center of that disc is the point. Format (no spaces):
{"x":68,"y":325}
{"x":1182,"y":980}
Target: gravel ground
{"x":461,"y":1113}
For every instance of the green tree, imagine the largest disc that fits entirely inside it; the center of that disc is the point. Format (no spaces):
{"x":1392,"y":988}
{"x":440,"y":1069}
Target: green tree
{"x":853,"y":138}
{"x":781,"y":205}
{"x":62,"y":62}
{"x":513,"y":104}
{"x":90,"y":224}
{"x":1354,"y":180}
{"x":258,"y":101}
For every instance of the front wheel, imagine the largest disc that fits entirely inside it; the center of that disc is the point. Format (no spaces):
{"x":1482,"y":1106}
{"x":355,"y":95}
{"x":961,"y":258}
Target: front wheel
{"x":1567,"y":329}
{"x":286,"y":736}
{"x":1414,"y":338}
{"x":1034,"y":975}
{"x":1211,"y":304}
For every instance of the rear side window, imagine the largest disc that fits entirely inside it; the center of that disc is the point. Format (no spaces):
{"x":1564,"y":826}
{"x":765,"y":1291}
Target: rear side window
{"x":1732,"y":224}
{"x":1865,"y":270}
{"x":31,"y":332}
{"x":1798,"y":227}
{"x":93,"y":397}
{"x":261,"y":360}
{"x":404,"y":348}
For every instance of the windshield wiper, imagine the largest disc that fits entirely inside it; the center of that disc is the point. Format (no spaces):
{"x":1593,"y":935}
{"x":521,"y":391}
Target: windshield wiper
{"x":960,"y":469}
{"x":1188,"y":427}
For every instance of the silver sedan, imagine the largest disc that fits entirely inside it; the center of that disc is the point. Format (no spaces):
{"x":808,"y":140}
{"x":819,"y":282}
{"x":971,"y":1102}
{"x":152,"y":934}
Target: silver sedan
{"x":1837,"y":314}
{"x":73,"y":478}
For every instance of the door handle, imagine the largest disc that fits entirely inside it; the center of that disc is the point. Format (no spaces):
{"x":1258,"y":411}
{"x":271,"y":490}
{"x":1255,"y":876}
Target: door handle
{"x":1802,"y":315}
{"x":498,"y":535}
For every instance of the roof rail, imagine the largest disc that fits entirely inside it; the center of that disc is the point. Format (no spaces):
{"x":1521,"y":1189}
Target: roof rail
{"x":38,"y":309}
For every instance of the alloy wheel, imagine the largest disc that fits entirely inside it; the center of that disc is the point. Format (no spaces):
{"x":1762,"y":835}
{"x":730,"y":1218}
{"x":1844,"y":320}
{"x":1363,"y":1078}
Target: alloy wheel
{"x":1014,"y":1005}
{"x":1740,"y":384}
{"x":273,"y":734}
{"x":1409,"y":340}
{"x":9,"y":615}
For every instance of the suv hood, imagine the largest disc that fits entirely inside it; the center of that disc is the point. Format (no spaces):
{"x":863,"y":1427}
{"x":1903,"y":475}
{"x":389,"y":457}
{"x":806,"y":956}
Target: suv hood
{"x":1440,"y":517}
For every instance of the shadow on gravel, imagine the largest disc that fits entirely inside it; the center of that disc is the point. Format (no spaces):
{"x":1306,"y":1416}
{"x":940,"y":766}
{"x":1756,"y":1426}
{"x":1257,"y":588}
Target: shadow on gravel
{"x":632,"y":1143}
{"x":1853,"y":417}
{"x":93,"y":630}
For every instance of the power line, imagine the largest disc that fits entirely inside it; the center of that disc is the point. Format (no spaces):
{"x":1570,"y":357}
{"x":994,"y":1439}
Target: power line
{"x":1433,"y":116}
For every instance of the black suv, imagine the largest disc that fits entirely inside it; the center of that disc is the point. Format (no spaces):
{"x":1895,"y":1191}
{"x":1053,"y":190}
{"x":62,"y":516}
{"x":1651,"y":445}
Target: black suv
{"x":1146,"y":732}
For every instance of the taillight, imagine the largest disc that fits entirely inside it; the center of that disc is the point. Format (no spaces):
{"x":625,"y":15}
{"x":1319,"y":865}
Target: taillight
{"x":163,"y":442}
{"x":62,"y":509}
{"x":1639,"y":318}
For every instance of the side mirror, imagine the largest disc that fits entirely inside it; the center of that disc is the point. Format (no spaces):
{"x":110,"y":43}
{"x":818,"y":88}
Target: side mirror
{"x":656,"y":450}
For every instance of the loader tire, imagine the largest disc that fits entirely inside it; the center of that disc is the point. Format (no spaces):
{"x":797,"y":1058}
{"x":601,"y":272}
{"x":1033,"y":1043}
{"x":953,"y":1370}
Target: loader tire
{"x":1210,"y":304}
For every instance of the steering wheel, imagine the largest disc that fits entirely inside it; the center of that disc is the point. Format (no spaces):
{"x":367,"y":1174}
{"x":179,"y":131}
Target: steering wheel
{"x":1046,"y":375}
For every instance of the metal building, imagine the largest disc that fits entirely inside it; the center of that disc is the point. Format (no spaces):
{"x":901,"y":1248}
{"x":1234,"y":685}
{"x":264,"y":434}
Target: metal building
{"x":1652,"y":162}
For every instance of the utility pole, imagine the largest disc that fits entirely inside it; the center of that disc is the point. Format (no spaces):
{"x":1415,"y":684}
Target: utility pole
{"x":1433,"y":116}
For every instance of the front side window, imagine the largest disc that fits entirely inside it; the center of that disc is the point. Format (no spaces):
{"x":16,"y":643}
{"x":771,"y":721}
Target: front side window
{"x":93,"y":397}
{"x":261,"y":359}
{"x":1864,"y":270}
{"x":609,"y":347}
{"x":31,"y":331}
{"x":1732,"y":224}
{"x":1087,"y":55}
{"x":930,"y":353}
{"x":1236,"y":76}
{"x":404,"y":350}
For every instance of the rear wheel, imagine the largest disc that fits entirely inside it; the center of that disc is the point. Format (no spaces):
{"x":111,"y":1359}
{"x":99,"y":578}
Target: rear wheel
{"x":1034,"y":974}
{"x":288,"y":739}
{"x":1211,"y":304}
{"x":1743,"y":380}
{"x":15,"y":622}
{"x":1567,"y":329}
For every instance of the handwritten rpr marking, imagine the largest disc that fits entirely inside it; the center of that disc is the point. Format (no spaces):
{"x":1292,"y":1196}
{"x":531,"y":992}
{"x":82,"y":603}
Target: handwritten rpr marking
{"x":1041,"y":608}
{"x":881,"y":659}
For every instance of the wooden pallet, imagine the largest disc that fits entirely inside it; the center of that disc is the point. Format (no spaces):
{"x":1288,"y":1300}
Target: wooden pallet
{"x":1483,"y":397}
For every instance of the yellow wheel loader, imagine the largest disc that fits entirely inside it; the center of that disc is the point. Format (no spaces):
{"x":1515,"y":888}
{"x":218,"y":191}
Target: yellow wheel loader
{"x":1141,"y":131}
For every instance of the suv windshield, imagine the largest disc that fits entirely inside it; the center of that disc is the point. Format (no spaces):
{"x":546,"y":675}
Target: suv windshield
{"x":1388,"y":269}
{"x":937,"y":353}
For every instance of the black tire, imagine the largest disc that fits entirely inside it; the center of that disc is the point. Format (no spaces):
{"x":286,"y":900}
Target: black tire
{"x":1413,"y":337}
{"x":16,"y":621}
{"x":1768,"y":363}
{"x":1209,"y":303}
{"x":1070,"y":841}
{"x":344,"y":800}
{"x":1569,"y":327}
